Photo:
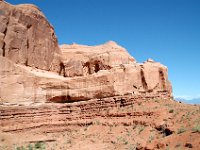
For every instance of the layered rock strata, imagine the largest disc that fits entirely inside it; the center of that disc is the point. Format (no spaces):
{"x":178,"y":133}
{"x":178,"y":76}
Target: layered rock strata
{"x":21,"y":84}
{"x":59,"y":117}
{"x":34,"y":69}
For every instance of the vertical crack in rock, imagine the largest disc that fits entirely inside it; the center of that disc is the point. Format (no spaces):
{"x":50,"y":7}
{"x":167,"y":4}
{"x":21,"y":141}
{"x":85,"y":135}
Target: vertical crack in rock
{"x":144,"y":83}
{"x":62,"y":69}
{"x":4,"y":44}
{"x":162,"y":78}
{"x":27,"y":45}
{"x":97,"y":68}
{"x":5,"y":33}
{"x":27,"y":42}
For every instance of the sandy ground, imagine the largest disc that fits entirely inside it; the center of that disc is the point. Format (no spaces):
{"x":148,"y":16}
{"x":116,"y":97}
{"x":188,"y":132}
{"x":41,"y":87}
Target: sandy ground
{"x":169,"y":125}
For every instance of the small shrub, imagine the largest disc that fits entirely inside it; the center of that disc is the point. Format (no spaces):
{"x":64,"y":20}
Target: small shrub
{"x":97,"y":122}
{"x":156,"y":100}
{"x":167,"y":148}
{"x":30,"y":147}
{"x":171,"y":110}
{"x":196,"y":128}
{"x":151,"y":138}
{"x":86,"y":128}
{"x":134,"y":126}
{"x":69,"y":141}
{"x":141,"y":128}
{"x":181,"y":130}
{"x":178,"y":145}
{"x":135,"y":147}
{"x":128,"y":133}
{"x":21,"y":148}
{"x":131,"y":147}
{"x":18,"y":148}
{"x":39,"y":145}
{"x":125,"y":142}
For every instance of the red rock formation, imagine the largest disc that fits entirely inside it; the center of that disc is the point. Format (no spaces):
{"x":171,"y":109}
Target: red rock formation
{"x":29,"y":51}
{"x":42,"y":92}
{"x":26,"y":37}
{"x":11,"y":117}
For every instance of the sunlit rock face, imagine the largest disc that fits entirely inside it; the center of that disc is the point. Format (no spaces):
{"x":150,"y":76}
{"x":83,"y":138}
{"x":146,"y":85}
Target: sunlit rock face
{"x":26,"y":37}
{"x":34,"y":69}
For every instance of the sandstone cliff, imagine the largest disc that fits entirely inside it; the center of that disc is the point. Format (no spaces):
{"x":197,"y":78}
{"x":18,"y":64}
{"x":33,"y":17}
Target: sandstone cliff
{"x":83,"y":97}
{"x":27,"y":38}
{"x":34,"y":68}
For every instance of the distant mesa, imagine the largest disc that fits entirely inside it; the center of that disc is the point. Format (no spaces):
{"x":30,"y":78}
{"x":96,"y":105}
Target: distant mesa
{"x":188,"y":101}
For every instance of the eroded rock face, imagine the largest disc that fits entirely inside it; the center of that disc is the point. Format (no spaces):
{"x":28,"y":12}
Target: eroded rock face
{"x":82,"y":60}
{"x":27,"y":38}
{"x":24,"y":84}
{"x":32,"y":69}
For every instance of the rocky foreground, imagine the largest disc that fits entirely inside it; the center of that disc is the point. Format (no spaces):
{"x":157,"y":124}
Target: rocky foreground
{"x":110,"y":123}
{"x":83,"y":97}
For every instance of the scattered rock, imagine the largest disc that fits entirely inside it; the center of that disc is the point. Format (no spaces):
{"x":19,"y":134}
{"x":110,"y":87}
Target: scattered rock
{"x":150,"y":60}
{"x":160,"y":146}
{"x":188,"y":145}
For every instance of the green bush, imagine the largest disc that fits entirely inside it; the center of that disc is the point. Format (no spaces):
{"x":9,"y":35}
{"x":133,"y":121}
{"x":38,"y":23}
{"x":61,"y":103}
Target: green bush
{"x":141,"y":128}
{"x":21,"y":148}
{"x":196,"y":128}
{"x":30,"y":147}
{"x":39,"y":146}
{"x":181,"y":130}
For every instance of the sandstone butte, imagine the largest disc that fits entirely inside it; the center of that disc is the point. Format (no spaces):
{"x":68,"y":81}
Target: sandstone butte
{"x":47,"y":89}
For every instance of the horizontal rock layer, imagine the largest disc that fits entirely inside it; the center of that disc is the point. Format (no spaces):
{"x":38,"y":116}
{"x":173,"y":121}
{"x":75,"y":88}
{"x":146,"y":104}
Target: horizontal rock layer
{"x":21,"y":84}
{"x":58,"y":117}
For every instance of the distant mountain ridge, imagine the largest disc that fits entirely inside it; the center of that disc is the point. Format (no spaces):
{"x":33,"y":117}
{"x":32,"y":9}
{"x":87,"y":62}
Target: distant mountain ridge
{"x":189,"y":101}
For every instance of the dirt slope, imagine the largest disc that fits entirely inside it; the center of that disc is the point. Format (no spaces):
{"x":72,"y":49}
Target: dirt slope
{"x":139,"y":124}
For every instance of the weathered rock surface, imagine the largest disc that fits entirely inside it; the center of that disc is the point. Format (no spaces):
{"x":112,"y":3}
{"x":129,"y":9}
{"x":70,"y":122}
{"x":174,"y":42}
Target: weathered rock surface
{"x":63,"y":95}
{"x":34,"y":69}
{"x":82,"y":60}
{"x":27,"y":38}
{"x":24,"y":84}
{"x":60,"y":113}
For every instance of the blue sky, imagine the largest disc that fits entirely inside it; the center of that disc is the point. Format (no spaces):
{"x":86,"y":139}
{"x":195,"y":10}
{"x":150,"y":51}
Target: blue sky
{"x":166,"y":30}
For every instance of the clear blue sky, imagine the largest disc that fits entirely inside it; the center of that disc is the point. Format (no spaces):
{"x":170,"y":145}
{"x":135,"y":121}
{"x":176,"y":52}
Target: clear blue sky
{"x":166,"y":30}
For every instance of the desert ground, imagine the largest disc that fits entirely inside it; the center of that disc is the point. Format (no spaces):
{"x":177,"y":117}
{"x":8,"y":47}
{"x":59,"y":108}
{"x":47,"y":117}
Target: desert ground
{"x":146,"y":124}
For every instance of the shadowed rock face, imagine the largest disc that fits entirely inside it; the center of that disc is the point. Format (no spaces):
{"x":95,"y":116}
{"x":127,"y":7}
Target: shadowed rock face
{"x":26,"y":37}
{"x":34,"y":69}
